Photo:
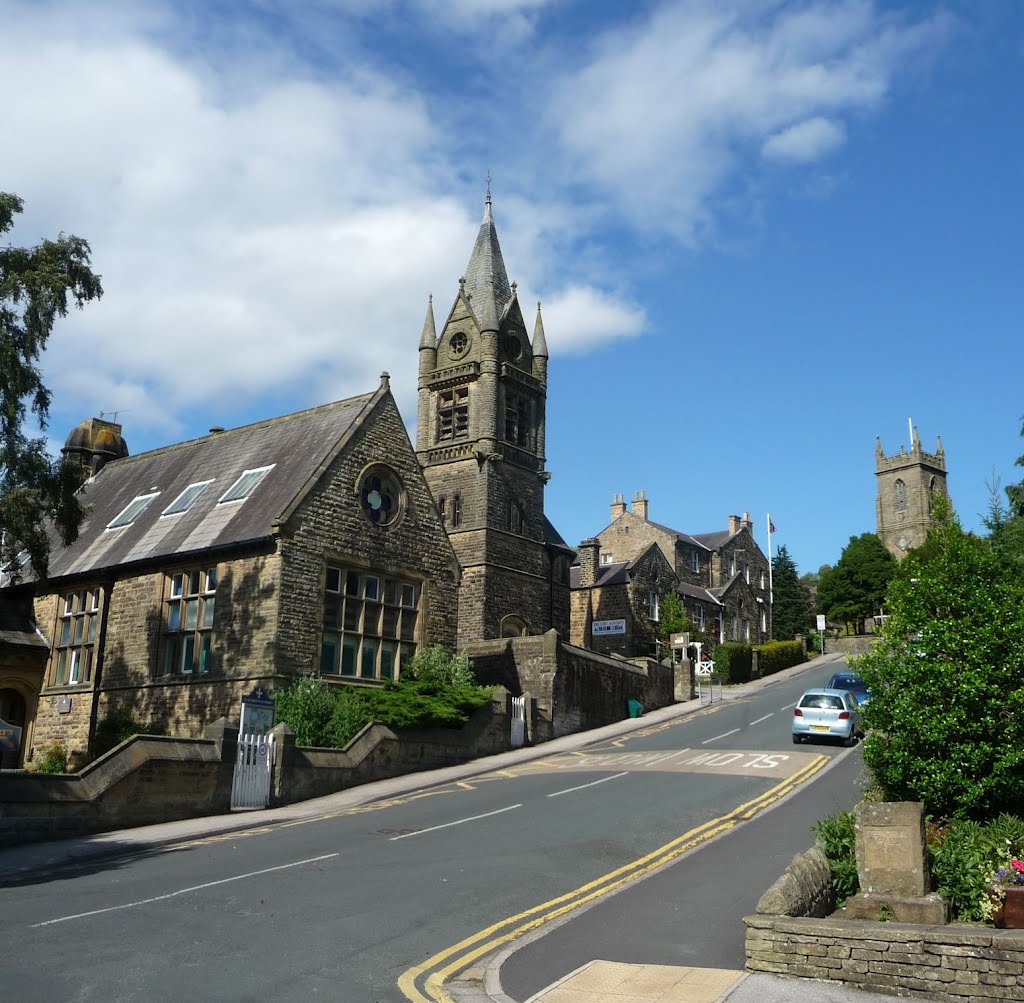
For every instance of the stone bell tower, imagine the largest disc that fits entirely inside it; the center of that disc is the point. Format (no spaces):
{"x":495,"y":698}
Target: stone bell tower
{"x":480,"y":440}
{"x":908,"y":483}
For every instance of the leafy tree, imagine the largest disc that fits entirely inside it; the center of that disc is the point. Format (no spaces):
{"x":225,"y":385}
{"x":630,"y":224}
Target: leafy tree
{"x":673,"y":619}
{"x":36,"y":286}
{"x":855,"y":588}
{"x":946,"y":672}
{"x":792,"y":612}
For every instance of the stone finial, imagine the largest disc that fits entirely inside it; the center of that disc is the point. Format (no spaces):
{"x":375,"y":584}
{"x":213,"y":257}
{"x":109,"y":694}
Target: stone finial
{"x":428,"y":339}
{"x":385,"y":380}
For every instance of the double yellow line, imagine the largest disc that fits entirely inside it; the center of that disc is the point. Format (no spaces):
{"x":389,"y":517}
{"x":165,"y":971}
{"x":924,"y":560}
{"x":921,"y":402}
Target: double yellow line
{"x":424,"y":983}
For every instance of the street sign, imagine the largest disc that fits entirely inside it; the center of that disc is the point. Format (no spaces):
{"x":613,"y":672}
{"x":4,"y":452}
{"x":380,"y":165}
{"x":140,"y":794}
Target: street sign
{"x":821,"y":621}
{"x":10,"y":737}
{"x":680,"y":640}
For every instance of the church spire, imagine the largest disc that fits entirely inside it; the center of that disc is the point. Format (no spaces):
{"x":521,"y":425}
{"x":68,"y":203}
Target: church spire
{"x":487,"y":282}
{"x":428,"y":339}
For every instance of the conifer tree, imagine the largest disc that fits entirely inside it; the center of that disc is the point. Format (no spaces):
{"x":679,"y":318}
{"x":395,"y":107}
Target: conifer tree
{"x":791,"y":607}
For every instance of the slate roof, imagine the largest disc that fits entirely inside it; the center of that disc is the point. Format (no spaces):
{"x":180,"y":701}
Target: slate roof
{"x":17,"y":627}
{"x":487,"y":282}
{"x":712,"y":540}
{"x":616,"y":573}
{"x":298,"y":445}
{"x":552,"y":538}
{"x":696,"y":592}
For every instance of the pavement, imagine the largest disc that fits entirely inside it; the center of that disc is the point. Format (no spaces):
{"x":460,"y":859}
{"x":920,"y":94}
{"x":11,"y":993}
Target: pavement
{"x":599,"y":981}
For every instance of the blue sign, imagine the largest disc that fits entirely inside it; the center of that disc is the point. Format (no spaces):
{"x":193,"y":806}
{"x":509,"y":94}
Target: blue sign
{"x":258,"y":713}
{"x":10,"y":737}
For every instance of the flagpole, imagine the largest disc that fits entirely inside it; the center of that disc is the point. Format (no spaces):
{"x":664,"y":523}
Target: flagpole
{"x":771,"y":590}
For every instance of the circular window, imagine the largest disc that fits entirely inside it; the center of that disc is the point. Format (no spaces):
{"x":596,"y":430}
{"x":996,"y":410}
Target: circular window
{"x":513,"y":346}
{"x":458,"y":343}
{"x":380,"y":495}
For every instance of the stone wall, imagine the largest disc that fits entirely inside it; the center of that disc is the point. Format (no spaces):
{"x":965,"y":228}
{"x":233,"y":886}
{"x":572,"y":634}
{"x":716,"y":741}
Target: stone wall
{"x":574,"y":689}
{"x":788,"y":936}
{"x":148,"y":780}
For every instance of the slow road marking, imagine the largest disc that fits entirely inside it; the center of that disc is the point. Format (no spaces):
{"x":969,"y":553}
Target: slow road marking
{"x":424,"y":983}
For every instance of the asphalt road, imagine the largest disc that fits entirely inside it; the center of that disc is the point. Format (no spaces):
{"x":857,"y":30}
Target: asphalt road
{"x":369,"y":899}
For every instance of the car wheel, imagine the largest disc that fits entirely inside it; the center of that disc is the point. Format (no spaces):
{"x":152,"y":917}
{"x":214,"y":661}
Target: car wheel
{"x":851,"y":740}
{"x":797,"y":739}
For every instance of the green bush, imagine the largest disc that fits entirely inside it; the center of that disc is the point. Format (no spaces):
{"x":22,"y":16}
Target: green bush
{"x":837,"y":837}
{"x":54,"y":759}
{"x":734,"y":662}
{"x":946,"y":717}
{"x":964,"y":857}
{"x":330,"y":716}
{"x":774,"y":656}
{"x":436,"y":665}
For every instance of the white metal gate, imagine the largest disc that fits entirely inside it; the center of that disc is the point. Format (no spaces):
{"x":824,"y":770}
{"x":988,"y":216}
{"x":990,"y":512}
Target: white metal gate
{"x":254,"y":768}
{"x":518,"y":722}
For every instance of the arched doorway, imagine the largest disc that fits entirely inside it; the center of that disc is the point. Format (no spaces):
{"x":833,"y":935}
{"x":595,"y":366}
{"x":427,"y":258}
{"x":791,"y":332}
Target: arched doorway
{"x":12,"y":710}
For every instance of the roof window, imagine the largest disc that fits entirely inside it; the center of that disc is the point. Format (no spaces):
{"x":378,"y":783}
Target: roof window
{"x":132,"y":511}
{"x":187,"y":498}
{"x":245,"y":485}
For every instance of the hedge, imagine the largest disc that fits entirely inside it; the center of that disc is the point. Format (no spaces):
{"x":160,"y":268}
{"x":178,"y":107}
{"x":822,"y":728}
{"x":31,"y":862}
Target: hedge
{"x":774,"y":656}
{"x":734,"y":662}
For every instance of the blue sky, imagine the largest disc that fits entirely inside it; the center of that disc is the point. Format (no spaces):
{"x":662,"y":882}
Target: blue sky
{"x":764,"y":233}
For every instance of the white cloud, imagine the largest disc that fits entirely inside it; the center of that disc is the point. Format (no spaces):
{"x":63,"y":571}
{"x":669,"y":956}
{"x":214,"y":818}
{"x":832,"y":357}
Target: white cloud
{"x":585,"y":317}
{"x":665,"y":112}
{"x":804,"y":141}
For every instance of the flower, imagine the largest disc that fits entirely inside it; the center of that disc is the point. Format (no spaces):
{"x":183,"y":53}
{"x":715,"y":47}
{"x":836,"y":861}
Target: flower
{"x":1009,"y":875}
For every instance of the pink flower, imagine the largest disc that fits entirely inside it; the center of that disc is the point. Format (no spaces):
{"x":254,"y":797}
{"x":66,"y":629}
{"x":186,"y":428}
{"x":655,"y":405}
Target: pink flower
{"x":1017,"y":865}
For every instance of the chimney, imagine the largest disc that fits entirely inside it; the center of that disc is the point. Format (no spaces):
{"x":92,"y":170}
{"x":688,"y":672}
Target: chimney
{"x":640,"y":505}
{"x":734,"y":525}
{"x":745,"y":522}
{"x":618,"y":506}
{"x":590,"y":558}
{"x":94,"y":442}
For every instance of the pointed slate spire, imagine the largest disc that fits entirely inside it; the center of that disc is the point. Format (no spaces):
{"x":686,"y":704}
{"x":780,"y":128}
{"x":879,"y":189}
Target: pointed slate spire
{"x":540,"y":344}
{"x":428,"y":339}
{"x":487,"y":282}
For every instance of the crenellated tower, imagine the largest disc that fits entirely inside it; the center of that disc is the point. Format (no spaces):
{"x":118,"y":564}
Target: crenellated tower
{"x":480,"y":439}
{"x":908,"y":483}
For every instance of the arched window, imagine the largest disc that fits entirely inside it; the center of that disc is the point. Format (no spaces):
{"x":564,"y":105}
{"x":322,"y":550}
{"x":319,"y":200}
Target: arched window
{"x":514,"y":625}
{"x":901,"y":496}
{"x":931,"y":495}
{"x":442,"y":509}
{"x":456,"y":510}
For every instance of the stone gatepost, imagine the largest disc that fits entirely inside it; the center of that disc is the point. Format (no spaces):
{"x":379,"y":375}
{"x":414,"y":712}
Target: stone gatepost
{"x":892,"y":865}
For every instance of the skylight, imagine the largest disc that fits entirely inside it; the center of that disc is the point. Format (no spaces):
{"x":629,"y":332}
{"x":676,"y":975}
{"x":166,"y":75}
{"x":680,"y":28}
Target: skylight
{"x":187,"y":498}
{"x":132,"y":511}
{"x":245,"y":485}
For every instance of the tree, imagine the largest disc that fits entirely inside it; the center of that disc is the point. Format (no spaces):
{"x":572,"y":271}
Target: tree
{"x":855,"y":588}
{"x":1005,"y":520}
{"x":792,"y":612}
{"x":673,"y":619}
{"x":946,"y":673}
{"x":36,"y":492}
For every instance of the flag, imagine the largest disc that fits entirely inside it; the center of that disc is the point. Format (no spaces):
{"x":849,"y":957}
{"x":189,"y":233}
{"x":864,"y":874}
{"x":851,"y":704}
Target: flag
{"x":771,"y":525}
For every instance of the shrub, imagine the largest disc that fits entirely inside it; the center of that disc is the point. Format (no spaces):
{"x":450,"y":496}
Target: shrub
{"x":307,"y":706}
{"x":54,"y":759}
{"x":734,"y":662}
{"x":837,"y":837}
{"x":946,"y":717}
{"x":436,"y":665}
{"x":774,"y":656}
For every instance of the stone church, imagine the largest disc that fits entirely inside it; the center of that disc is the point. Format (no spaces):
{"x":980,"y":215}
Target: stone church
{"x":480,"y":439}
{"x":908,"y":484}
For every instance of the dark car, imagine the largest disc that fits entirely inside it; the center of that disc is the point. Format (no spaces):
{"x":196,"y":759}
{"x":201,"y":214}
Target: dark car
{"x":852,"y":683}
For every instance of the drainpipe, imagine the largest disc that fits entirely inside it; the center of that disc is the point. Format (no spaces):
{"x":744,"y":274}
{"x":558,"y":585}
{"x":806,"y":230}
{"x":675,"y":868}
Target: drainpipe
{"x":101,"y":645}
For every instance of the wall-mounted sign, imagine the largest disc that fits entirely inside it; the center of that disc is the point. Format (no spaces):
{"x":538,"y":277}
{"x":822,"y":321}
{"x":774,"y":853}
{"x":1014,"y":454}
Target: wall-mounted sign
{"x":601,"y":628}
{"x":258,"y":710}
{"x":10,"y":736}
{"x":64,"y":705}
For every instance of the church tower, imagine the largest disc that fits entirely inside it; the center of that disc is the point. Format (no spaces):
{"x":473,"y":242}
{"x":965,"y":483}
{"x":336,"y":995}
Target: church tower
{"x":908,"y":484}
{"x":480,"y":441}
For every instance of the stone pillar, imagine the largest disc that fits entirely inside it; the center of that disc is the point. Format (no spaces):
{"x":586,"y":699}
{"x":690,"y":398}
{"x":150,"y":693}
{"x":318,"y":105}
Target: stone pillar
{"x":892,"y":865}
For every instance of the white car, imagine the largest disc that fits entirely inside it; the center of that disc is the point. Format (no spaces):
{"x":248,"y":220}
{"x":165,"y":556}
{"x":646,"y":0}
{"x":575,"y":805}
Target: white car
{"x":826,"y":713}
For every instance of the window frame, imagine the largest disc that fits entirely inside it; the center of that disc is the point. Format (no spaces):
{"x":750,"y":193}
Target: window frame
{"x":653,"y":606}
{"x":187,"y":637}
{"x":368,"y":632}
{"x":695,"y":561}
{"x":230,"y":497}
{"x":452,"y":414}
{"x":76,"y":632}
{"x":171,"y":510}
{"x":122,"y":520}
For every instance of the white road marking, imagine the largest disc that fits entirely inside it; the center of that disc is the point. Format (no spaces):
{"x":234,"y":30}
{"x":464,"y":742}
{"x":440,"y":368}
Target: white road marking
{"x":725,"y":734}
{"x":765,"y":718}
{"x":788,"y":706}
{"x":581,"y":787}
{"x":183,"y":891}
{"x":448,"y":825}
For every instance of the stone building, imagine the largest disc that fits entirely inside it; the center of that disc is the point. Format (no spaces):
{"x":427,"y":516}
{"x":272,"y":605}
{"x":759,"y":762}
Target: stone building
{"x":616,"y":605}
{"x":722,"y":577}
{"x":908,"y":484}
{"x":480,"y":440}
{"x":307,"y":543}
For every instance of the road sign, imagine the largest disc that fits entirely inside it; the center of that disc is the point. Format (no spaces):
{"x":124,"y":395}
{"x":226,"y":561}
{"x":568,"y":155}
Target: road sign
{"x":821,"y":621}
